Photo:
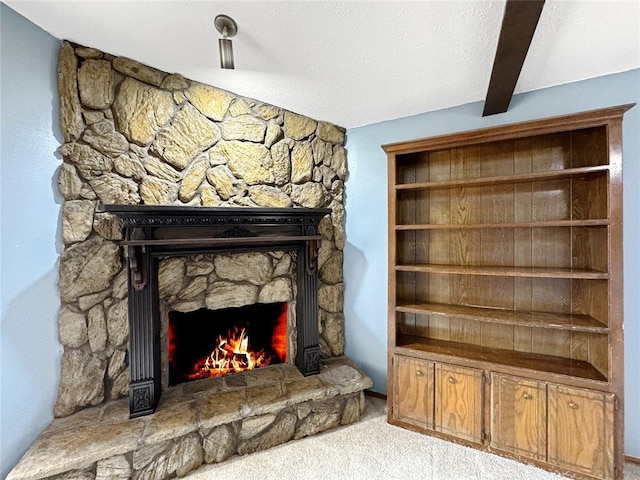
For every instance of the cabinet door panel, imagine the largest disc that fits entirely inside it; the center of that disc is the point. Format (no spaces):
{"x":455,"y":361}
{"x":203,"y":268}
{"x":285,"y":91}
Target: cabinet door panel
{"x":458,"y":402}
{"x":581,"y":430}
{"x":413,"y":391}
{"x":519,"y":416}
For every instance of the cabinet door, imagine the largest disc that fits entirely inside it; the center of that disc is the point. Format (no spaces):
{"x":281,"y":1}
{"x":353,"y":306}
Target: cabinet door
{"x":519,"y":416}
{"x":458,"y":404}
{"x":413,"y":391}
{"x":581,"y":430}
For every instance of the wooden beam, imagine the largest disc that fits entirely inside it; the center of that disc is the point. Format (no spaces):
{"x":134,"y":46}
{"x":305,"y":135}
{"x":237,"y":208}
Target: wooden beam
{"x":518,"y":26}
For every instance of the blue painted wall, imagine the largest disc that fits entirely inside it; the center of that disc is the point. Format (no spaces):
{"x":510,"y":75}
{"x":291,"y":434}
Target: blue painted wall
{"x":366,"y":215}
{"x":30,"y":240}
{"x":29,"y":210}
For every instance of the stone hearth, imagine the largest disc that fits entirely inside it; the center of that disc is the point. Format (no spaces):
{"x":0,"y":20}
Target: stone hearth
{"x":207,"y":421}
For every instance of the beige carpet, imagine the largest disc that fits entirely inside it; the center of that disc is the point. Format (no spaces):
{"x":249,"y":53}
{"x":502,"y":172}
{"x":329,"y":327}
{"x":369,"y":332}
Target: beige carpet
{"x":375,"y":450}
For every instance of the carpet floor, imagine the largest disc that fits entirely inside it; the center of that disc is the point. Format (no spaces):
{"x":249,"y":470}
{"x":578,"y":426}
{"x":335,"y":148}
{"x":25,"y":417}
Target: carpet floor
{"x":374,"y":450}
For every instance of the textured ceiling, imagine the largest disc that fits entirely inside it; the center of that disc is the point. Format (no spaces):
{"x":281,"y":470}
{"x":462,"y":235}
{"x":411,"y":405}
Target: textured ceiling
{"x":351,"y":62}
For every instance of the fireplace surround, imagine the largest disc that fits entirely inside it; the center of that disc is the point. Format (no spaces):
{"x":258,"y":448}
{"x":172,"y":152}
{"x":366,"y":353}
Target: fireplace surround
{"x":155,"y":232}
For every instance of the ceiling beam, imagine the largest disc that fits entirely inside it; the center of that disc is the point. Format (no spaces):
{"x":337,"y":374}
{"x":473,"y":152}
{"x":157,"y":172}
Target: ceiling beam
{"x":518,"y":26}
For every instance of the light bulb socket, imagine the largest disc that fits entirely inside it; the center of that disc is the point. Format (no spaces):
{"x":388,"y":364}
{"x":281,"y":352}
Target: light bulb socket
{"x":226,"y":53}
{"x":226,"y":25}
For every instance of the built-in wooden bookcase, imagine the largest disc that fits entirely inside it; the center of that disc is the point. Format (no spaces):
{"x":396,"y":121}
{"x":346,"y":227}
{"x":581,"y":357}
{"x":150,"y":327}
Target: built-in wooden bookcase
{"x":505,"y":289}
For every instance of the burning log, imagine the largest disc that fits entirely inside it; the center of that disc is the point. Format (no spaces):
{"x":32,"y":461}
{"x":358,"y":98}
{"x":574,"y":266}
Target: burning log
{"x":230,"y":355}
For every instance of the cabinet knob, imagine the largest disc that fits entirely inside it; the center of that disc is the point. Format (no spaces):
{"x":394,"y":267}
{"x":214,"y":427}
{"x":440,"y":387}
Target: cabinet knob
{"x":419,"y":373}
{"x":573,"y":405}
{"x":527,"y":396}
{"x":452,"y":380}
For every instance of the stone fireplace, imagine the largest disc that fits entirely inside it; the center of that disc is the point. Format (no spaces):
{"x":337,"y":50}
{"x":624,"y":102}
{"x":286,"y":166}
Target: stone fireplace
{"x":138,"y":138}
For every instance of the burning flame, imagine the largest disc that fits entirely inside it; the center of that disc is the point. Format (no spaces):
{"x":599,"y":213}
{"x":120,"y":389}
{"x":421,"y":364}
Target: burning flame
{"x":279,"y":339}
{"x":230,"y":355}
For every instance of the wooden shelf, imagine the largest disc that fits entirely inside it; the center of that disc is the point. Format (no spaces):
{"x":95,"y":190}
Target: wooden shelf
{"x":408,"y":345}
{"x":560,"y":321}
{"x":500,"y":179}
{"x":550,"y":224}
{"x":529,"y":272}
{"x":527,"y":216}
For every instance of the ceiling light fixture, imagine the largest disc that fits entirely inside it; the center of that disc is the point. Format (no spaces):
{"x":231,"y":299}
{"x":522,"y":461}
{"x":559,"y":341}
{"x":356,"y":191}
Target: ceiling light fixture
{"x":227,"y":28}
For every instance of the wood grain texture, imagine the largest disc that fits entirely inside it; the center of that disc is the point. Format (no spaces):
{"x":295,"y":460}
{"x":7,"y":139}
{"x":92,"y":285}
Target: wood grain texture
{"x":518,"y":225}
{"x":589,"y":197}
{"x":486,"y":357}
{"x":533,"y":272}
{"x":497,"y":204}
{"x":616,"y":306}
{"x":405,"y":324}
{"x":392,"y":171}
{"x":515,"y":179}
{"x":458,"y":402}
{"x":589,"y":147}
{"x":599,"y":353}
{"x":518,"y":26}
{"x":506,"y":257}
{"x":581,"y":430}
{"x":519,"y":416}
{"x":589,"y":248}
{"x":553,"y":343}
{"x":560,"y":321}
{"x":589,"y":297}
{"x":413,"y":391}
{"x":562,"y":123}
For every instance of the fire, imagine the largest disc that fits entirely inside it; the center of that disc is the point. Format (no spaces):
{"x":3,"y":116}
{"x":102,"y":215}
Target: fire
{"x":279,"y":339}
{"x":231,"y":354}
{"x":205,"y":343}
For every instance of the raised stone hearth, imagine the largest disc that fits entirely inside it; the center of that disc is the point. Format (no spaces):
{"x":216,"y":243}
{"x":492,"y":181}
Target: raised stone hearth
{"x":197,"y":423}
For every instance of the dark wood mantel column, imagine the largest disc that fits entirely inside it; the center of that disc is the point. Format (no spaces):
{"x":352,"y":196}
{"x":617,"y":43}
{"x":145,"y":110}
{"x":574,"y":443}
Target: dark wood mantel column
{"x":144,"y":332}
{"x":308,"y":349}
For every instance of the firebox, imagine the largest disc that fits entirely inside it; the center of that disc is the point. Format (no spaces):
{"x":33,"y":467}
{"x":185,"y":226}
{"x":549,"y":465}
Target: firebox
{"x":152,"y":233}
{"x":214,"y":343}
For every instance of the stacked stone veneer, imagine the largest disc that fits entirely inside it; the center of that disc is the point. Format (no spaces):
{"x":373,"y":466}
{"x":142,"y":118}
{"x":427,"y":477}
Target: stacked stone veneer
{"x":199,"y":423}
{"x":133,"y":134}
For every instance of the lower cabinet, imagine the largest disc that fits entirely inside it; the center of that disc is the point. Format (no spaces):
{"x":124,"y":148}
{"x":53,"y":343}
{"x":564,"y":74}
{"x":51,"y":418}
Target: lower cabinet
{"x":458,"y":402}
{"x":581,"y":430}
{"x":438,"y":396}
{"x":566,"y":427}
{"x":413,"y":391}
{"x":519,"y":416}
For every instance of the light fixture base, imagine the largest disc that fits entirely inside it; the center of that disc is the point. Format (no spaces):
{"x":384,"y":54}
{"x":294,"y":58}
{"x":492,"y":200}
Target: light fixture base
{"x":223,"y":21}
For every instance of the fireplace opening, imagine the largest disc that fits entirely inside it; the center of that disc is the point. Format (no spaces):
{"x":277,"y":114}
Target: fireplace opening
{"x":212,"y":343}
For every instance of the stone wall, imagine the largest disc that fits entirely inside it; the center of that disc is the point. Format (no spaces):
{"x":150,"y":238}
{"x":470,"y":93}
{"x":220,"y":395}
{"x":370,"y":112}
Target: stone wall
{"x":133,"y":134}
